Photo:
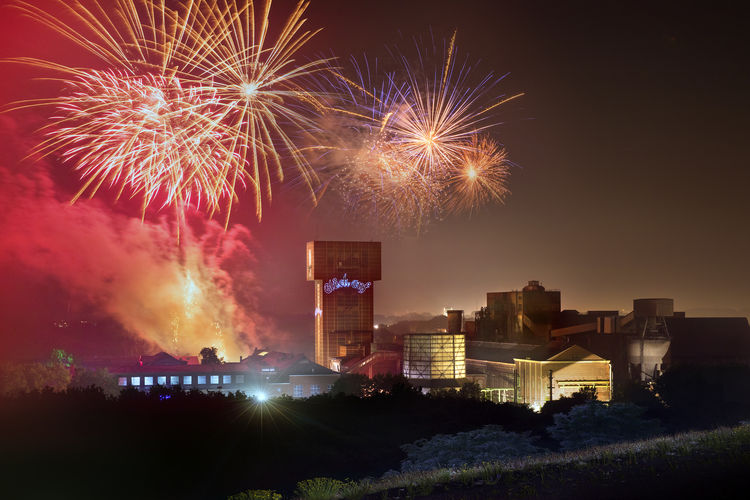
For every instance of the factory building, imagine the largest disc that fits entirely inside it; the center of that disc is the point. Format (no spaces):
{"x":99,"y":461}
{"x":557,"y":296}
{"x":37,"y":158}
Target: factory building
{"x":653,"y":337}
{"x":533,"y":374}
{"x":343,"y":273}
{"x":518,"y":316}
{"x":545,"y":376}
{"x":266,"y":373}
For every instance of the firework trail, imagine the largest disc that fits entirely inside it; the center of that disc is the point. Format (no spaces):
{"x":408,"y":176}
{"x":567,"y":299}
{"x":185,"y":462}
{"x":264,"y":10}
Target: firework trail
{"x":405,"y":139}
{"x":191,"y":105}
{"x":260,"y":88}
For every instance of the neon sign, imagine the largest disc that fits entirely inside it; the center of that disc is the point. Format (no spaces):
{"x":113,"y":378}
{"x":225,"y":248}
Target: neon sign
{"x":334,"y":284}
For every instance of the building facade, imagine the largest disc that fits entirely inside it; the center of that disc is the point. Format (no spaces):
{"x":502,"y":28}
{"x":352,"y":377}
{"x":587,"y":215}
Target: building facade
{"x":343,"y":273}
{"x":264,"y":373}
{"x":533,"y":374}
{"x":525,"y":315}
{"x":542,"y":378}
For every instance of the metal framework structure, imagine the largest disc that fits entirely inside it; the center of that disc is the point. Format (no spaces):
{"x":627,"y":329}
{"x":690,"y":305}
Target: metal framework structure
{"x":435,"y":356}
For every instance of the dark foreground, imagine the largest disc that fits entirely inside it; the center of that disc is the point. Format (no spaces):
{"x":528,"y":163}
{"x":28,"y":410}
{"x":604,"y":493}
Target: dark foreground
{"x":80,"y":444}
{"x":711,"y":464}
{"x":170,"y":444}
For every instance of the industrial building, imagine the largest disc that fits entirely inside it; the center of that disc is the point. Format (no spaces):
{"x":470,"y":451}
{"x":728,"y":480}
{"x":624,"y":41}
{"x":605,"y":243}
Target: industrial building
{"x":518,"y":316}
{"x":343,"y":273}
{"x":265,"y":373}
{"x":533,"y":374}
{"x":435,"y":359}
{"x":520,"y":347}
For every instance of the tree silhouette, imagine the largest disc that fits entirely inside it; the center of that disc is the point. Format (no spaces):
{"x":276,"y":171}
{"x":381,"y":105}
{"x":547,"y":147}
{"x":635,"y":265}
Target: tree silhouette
{"x":210,"y":356}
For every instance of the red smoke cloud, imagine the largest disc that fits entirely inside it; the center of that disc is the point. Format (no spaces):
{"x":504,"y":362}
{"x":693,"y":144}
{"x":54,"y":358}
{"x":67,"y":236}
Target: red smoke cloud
{"x":181,"y":297}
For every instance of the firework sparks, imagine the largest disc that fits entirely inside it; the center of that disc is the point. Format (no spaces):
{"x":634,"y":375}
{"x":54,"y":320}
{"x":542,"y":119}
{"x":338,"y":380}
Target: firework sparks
{"x":147,"y":134}
{"x":260,"y":89}
{"x":406,"y":140}
{"x":193,"y":104}
{"x":479,"y":177}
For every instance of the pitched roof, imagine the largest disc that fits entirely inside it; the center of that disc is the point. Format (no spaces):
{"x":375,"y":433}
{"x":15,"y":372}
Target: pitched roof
{"x":161,"y":359}
{"x":502,"y":352}
{"x":304,"y":366}
{"x":264,"y":360}
{"x":575,"y":353}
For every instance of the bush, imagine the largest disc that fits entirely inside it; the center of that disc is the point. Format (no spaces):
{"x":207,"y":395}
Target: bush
{"x":256,"y":495}
{"x":490,"y":443}
{"x":321,"y":488}
{"x":707,"y":395}
{"x":596,"y":423}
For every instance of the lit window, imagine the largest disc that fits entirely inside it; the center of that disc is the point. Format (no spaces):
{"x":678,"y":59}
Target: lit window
{"x":135,"y":380}
{"x":148,"y":380}
{"x":122,"y":381}
{"x":214,"y":379}
{"x":174,"y":380}
{"x":314,"y":390}
{"x":201,"y":379}
{"x":187,"y":380}
{"x":330,"y":387}
{"x":226,"y":379}
{"x":240,"y":379}
{"x":298,"y":393}
{"x":161,"y":380}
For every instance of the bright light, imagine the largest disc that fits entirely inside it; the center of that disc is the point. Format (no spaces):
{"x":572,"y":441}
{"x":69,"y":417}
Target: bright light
{"x":471,"y":173}
{"x":261,"y":396}
{"x":249,"y":89}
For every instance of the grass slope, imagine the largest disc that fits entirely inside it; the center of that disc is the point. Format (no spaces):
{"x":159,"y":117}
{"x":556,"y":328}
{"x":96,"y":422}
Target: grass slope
{"x":696,"y":464}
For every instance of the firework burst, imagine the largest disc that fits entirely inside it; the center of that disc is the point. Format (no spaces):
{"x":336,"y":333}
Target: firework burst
{"x":192,"y":104}
{"x":162,"y":141}
{"x":479,"y":177}
{"x":405,"y":138}
{"x":260,"y":87}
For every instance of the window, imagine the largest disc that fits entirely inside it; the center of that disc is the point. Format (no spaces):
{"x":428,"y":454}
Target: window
{"x":174,"y":380}
{"x":298,"y":393}
{"x":161,"y":380}
{"x":148,"y":380}
{"x":135,"y":380}
{"x":122,"y":381}
{"x":330,"y":387}
{"x":226,"y":379}
{"x":239,"y":379}
{"x":201,"y":379}
{"x":314,"y":390}
{"x":187,"y":380}
{"x":214,"y":379}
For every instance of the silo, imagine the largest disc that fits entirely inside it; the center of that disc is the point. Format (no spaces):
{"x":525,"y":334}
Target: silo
{"x":455,"y":321}
{"x":647,"y":348}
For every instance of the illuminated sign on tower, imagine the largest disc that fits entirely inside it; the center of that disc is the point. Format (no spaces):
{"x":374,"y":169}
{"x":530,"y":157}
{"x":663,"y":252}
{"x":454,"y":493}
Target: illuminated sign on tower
{"x":343,"y":273}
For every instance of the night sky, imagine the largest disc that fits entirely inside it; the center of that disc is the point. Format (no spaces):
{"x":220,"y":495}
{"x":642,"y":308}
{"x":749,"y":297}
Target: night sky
{"x":630,"y":141}
{"x":632,"y":146}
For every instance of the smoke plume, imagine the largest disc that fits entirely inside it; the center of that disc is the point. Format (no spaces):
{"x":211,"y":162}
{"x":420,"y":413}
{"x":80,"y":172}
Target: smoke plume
{"x":180,"y":296}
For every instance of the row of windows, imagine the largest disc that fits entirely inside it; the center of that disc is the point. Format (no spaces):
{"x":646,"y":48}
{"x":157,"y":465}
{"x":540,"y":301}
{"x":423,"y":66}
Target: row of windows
{"x":299,"y":390}
{"x":186,"y":380}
